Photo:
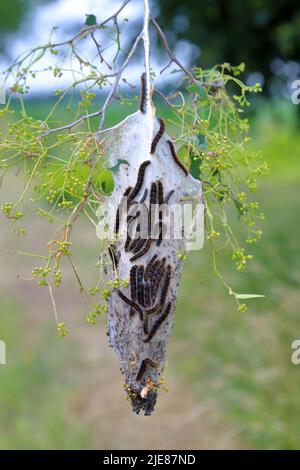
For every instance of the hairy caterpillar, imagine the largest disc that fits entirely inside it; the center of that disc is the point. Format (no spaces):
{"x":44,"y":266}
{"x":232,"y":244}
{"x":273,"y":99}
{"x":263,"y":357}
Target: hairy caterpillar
{"x":133,"y":284}
{"x":147,"y":290}
{"x":153,"y":193}
{"x":132,"y":304}
{"x":175,"y":158}
{"x":138,"y":246}
{"x":164,"y":292}
{"x":165,"y":287}
{"x":158,"y":323}
{"x":143,"y":93}
{"x":127,"y":242}
{"x":140,"y":286}
{"x":153,"y":200}
{"x":144,"y":364}
{"x":149,"y":266}
{"x":157,"y":277}
{"x":158,"y":136}
{"x":140,"y":180}
{"x":143,"y":251}
{"x":145,"y":325}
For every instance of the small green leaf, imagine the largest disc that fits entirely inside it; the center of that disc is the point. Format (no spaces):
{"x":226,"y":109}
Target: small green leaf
{"x":246,"y":296}
{"x":116,"y":167}
{"x":90,"y":20}
{"x":106,"y":182}
{"x":195,"y":167}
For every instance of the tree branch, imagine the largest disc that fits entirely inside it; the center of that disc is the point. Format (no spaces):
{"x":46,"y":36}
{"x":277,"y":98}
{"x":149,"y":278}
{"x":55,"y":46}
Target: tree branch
{"x":169,"y":51}
{"x":101,"y":111}
{"x":146,"y":42}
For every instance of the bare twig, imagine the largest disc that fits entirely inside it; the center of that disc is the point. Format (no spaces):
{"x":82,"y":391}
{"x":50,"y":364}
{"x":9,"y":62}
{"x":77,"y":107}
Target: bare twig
{"x":101,"y":111}
{"x":117,"y":79}
{"x":169,"y":51}
{"x":99,"y":51}
{"x":163,"y":97}
{"x":84,"y":32}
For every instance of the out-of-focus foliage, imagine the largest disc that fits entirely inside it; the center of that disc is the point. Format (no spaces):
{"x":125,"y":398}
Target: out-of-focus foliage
{"x":12,"y":13}
{"x":253,"y":31}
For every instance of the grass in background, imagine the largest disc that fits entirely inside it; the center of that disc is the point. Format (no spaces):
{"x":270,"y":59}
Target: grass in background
{"x":35,"y":385}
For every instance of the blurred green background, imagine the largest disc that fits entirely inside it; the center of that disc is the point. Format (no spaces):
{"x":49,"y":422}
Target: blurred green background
{"x":232,"y":383}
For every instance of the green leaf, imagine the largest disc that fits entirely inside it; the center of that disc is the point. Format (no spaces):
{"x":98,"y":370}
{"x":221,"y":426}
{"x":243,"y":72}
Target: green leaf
{"x":90,"y":20}
{"x":195,"y":167}
{"x":116,"y":167}
{"x":246,"y":296}
{"x":106,"y":182}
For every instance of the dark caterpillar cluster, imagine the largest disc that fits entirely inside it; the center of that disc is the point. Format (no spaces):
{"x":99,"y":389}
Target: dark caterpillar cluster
{"x":149,"y":298}
{"x":149,"y":286}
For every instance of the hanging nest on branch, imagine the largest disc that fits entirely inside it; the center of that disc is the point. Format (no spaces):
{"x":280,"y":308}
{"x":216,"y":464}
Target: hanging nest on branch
{"x":144,"y":249}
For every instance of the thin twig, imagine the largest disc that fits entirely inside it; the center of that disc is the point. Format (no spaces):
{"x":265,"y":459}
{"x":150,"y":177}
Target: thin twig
{"x":163,"y":97}
{"x":101,"y":111}
{"x":169,"y":51}
{"x":117,"y":79}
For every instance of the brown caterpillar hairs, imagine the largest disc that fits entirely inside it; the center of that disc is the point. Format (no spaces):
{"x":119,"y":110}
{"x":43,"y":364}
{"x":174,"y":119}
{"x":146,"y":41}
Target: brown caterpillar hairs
{"x":156,"y":278}
{"x":164,"y":292}
{"x":143,"y":93}
{"x":175,"y":158}
{"x":147,"y":290}
{"x":143,"y":251}
{"x":131,"y":303}
{"x":144,"y":364}
{"x":139,"y":245}
{"x":148,"y":267}
{"x":140,"y":180}
{"x":153,"y":193}
{"x":133,"y":244}
{"x":152,"y":310}
{"x":133,"y":282}
{"x":127,"y":242}
{"x":169,"y":195}
{"x":165,"y":288}
{"x":153,"y":200}
{"x":140,"y":286}
{"x":158,"y":323}
{"x":158,"y":136}
{"x":153,"y":268}
{"x":145,"y":325}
